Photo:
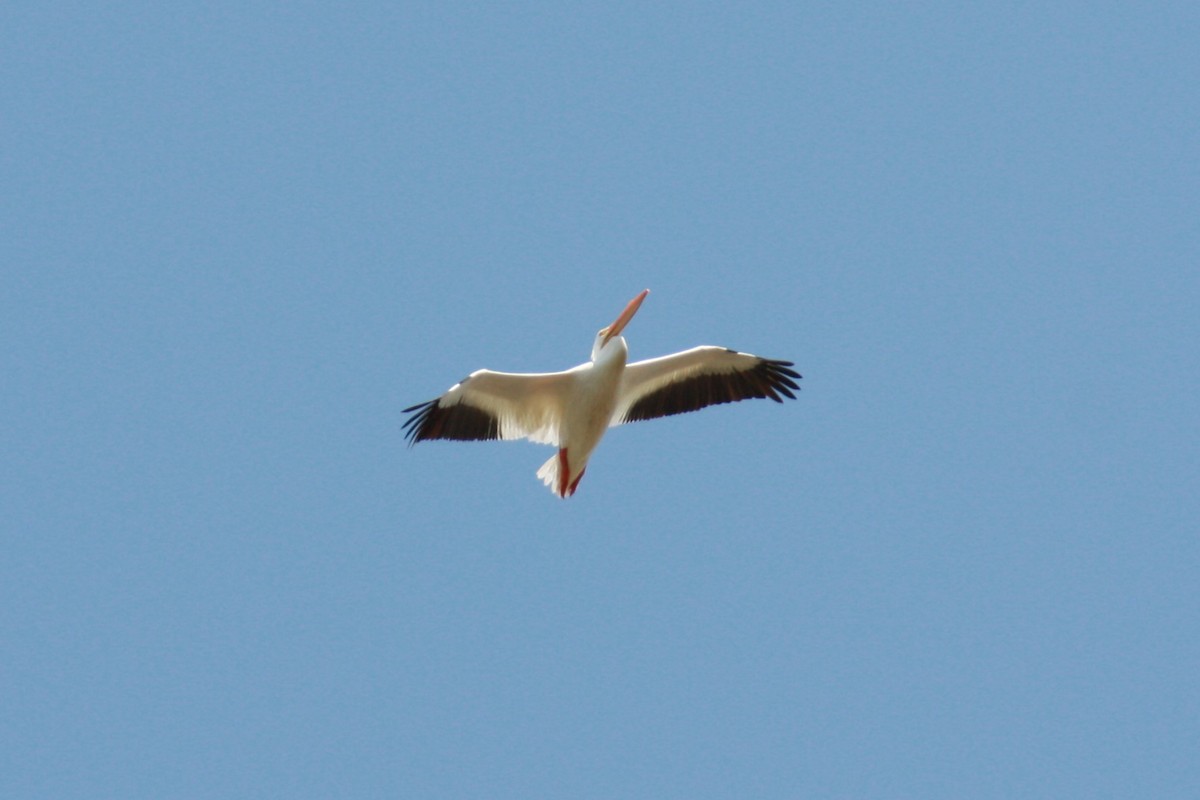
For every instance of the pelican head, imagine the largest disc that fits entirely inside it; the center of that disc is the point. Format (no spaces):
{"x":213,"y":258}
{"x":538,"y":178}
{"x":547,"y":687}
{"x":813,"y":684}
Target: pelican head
{"x":613,"y":332}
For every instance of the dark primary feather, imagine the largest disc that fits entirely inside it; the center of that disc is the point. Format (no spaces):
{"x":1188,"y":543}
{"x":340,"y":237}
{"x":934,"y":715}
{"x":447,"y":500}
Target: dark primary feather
{"x":459,"y":421}
{"x":767,"y":378}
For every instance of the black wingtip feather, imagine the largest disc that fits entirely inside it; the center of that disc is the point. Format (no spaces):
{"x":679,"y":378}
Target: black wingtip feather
{"x":418,"y":422}
{"x":460,"y":422}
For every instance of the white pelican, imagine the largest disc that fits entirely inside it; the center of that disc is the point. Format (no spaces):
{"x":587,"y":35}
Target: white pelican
{"x":571,"y":410}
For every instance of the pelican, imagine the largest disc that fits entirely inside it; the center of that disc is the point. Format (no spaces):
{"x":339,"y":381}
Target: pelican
{"x":571,"y":410}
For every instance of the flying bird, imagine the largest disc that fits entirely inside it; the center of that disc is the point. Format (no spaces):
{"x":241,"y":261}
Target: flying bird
{"x":571,"y":410}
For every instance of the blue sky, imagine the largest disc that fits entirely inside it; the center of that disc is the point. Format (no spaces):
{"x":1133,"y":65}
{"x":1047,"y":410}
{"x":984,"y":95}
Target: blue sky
{"x":239,"y":238}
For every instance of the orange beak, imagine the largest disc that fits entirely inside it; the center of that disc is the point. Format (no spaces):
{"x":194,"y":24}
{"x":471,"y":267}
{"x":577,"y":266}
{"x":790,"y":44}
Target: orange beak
{"x":626,"y":315}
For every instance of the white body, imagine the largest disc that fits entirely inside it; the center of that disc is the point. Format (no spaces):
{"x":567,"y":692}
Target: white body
{"x":588,"y":401}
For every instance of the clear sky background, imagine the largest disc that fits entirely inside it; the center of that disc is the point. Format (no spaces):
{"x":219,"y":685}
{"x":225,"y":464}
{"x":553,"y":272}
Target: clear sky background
{"x":238,"y":238}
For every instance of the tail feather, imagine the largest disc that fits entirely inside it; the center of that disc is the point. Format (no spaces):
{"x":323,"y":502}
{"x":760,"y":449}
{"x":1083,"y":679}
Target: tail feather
{"x":549,"y":474}
{"x":552,"y":474}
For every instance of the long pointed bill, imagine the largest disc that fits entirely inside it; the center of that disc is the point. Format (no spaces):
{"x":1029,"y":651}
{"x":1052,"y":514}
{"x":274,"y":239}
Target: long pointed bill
{"x":626,"y":315}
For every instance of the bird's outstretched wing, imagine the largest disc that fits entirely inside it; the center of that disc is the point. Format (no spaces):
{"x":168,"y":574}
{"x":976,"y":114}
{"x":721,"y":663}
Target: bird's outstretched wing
{"x":494,"y":405}
{"x":696,"y":378}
